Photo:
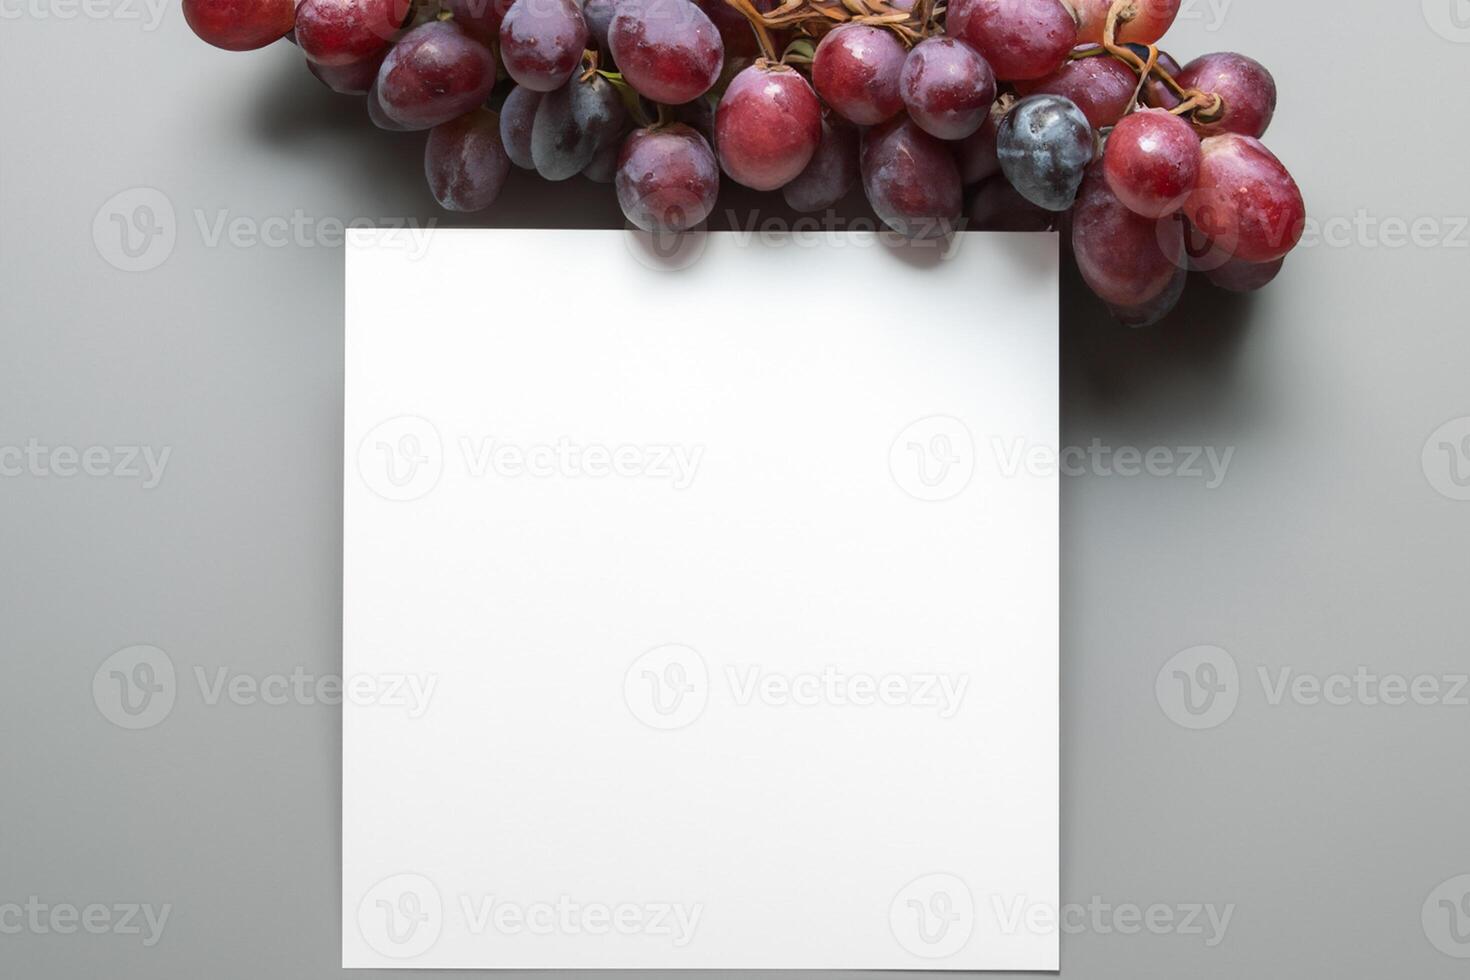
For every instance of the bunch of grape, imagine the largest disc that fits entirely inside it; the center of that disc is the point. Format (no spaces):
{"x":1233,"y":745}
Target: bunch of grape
{"x":1006,"y":115}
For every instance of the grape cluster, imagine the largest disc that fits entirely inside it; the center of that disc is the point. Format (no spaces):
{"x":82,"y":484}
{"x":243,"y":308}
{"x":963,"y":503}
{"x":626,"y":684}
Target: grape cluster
{"x":1008,"y":115}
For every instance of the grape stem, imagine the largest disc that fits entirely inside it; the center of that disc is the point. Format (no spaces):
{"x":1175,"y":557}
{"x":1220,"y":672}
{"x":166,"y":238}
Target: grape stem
{"x":758,"y":23}
{"x":1203,"y":107}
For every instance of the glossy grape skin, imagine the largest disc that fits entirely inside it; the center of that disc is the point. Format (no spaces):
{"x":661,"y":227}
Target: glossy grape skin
{"x":947,"y":87}
{"x":465,"y":163}
{"x":667,"y":179}
{"x":1125,"y":258}
{"x":434,"y":73}
{"x":517,"y":116}
{"x":1245,"y":200}
{"x":976,"y":153}
{"x":1246,"y":86}
{"x":1151,"y":312}
{"x":1021,"y":39}
{"x":856,"y":71}
{"x":599,"y":14}
{"x":480,"y":19}
{"x":1152,"y":20}
{"x":833,"y":170}
{"x":911,"y":180}
{"x":1157,"y":95}
{"x":1101,"y":86}
{"x":351,"y":79}
{"x":767,"y":127}
{"x":1245,"y":277}
{"x":335,"y":33}
{"x":997,"y":206}
{"x":572,"y":124}
{"x":604,"y":166}
{"x":240,"y":25}
{"x":541,"y":42}
{"x":1152,"y":162}
{"x":668,"y":50}
{"x":1045,"y":144}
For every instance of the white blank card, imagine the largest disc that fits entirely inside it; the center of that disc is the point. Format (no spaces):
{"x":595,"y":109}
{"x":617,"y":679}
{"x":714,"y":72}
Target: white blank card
{"x":700,"y":612}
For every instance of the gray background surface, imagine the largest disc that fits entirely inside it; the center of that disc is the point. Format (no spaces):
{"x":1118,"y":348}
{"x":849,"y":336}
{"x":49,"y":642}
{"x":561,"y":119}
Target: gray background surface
{"x":1333,"y":543}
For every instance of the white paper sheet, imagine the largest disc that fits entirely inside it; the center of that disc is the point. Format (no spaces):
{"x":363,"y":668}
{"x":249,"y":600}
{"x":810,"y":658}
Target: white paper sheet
{"x":702,"y":618}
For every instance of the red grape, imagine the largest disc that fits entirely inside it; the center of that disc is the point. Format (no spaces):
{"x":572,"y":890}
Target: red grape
{"x":997,"y":206}
{"x":832,"y":172}
{"x":947,"y":87}
{"x":977,"y":152}
{"x":856,"y":71}
{"x":517,"y":116}
{"x":668,"y":50}
{"x":604,"y":166}
{"x":572,"y":124}
{"x":911,"y":179}
{"x":1245,"y":200}
{"x":1245,"y":277}
{"x":1152,"y":162}
{"x":465,"y":162}
{"x":1021,"y":39}
{"x":350,"y":79}
{"x":541,"y":42}
{"x":667,"y":179}
{"x":480,"y":19}
{"x":1149,"y":20}
{"x":1101,"y":86}
{"x":767,"y":126}
{"x":240,"y":25}
{"x":341,"y":32}
{"x":434,"y":73}
{"x":1245,"y":85}
{"x":1125,"y":258}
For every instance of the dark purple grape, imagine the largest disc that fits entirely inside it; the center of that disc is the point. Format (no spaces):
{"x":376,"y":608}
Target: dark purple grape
{"x":465,"y":162}
{"x":668,"y":50}
{"x":911,"y":179}
{"x":572,"y":124}
{"x":541,"y":42}
{"x":831,"y":174}
{"x":977,"y":151}
{"x":947,"y":87}
{"x":604,"y":165}
{"x":599,"y":14}
{"x":517,"y":116}
{"x":433,"y":74}
{"x":1045,"y":144}
{"x":667,"y":178}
